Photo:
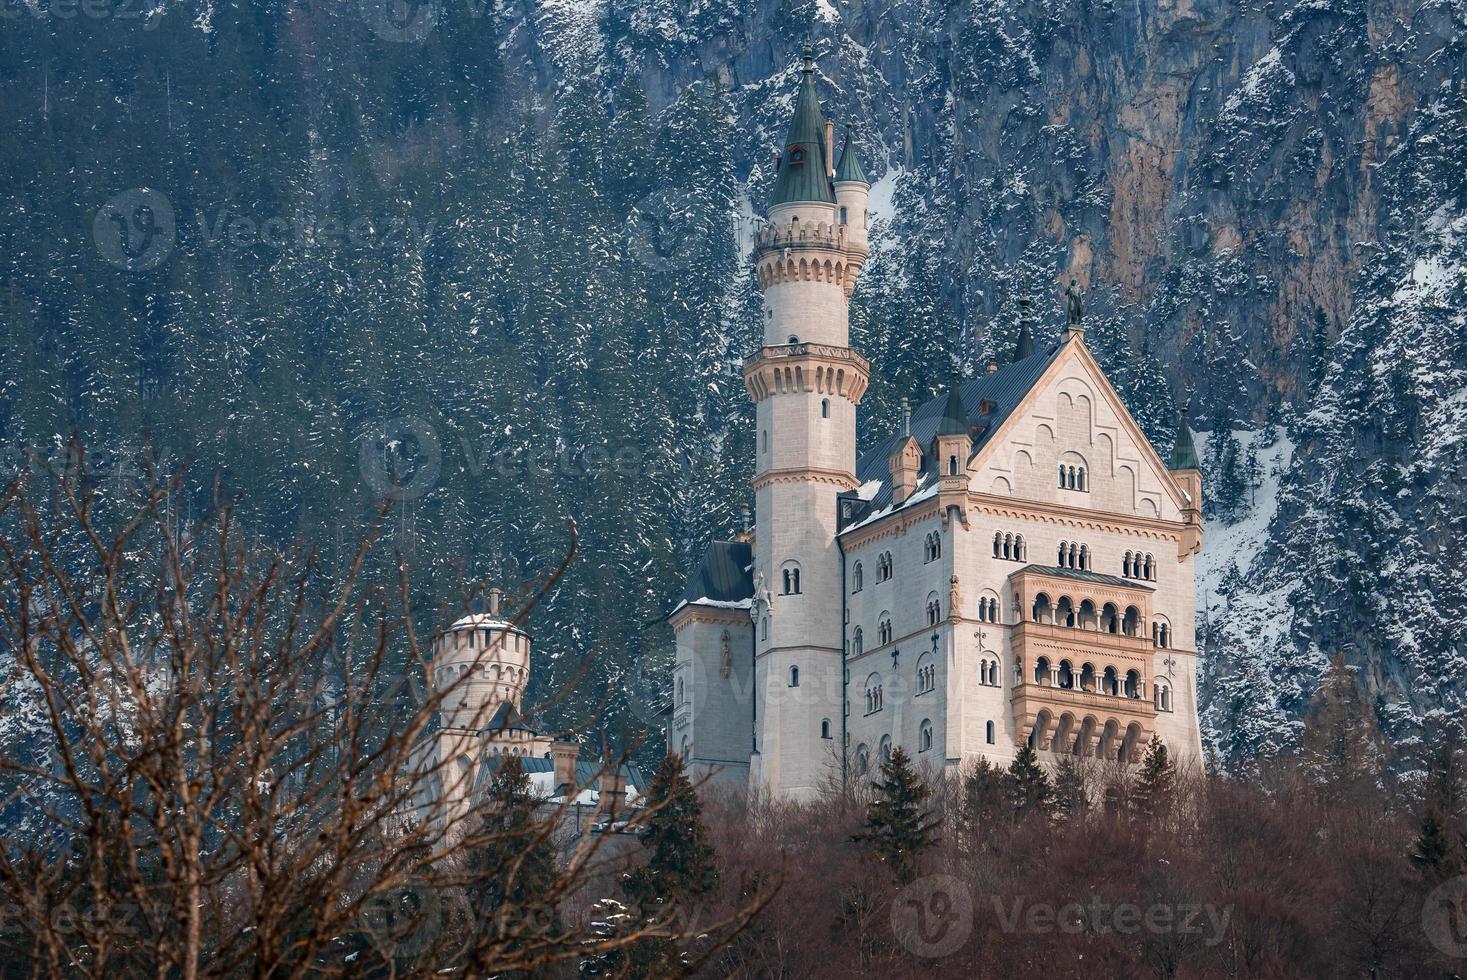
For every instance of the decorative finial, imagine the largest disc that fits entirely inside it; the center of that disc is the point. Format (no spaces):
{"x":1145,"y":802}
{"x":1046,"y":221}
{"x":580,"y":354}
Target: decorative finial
{"x":906,"y":418}
{"x":809,"y":57}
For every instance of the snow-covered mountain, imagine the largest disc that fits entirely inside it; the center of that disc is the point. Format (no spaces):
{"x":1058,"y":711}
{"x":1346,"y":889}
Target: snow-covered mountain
{"x":507,"y":237}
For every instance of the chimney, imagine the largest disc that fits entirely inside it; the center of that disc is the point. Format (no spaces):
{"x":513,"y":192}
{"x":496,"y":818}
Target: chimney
{"x":905,"y":460}
{"x":613,"y":793}
{"x":495,"y":596}
{"x":829,"y":148}
{"x":564,"y":755}
{"x":906,"y":417}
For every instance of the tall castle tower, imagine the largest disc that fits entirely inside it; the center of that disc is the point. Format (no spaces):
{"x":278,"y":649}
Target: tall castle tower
{"x":805,"y":382}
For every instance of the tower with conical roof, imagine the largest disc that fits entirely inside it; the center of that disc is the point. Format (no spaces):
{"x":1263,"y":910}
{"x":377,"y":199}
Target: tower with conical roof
{"x":805,"y":382}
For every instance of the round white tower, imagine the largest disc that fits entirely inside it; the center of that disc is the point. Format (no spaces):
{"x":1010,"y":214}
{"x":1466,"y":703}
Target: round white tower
{"x":482,"y":662}
{"x":805,"y":383}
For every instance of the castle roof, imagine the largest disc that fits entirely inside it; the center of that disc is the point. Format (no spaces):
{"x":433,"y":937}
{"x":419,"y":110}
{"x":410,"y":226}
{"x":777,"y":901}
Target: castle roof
{"x":724,"y":578}
{"x":849,"y":167}
{"x":1078,"y":575}
{"x":1024,"y":346}
{"x":803,"y":173}
{"x":541,"y":771}
{"x":954,"y":417}
{"x":1184,"y":451}
{"x":998,"y":393}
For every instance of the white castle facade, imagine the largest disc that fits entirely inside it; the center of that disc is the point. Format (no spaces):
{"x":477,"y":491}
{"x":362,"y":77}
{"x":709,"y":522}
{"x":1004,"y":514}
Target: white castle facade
{"x":1013,"y":565}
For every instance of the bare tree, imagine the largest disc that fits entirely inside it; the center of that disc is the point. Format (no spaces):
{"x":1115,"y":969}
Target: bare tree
{"x":211,"y":765}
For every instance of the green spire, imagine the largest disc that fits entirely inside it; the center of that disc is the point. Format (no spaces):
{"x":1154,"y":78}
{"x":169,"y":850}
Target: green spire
{"x":849,"y":167}
{"x":954,"y":419}
{"x":1184,"y":453}
{"x":802,"y":168}
{"x":1025,"y":345}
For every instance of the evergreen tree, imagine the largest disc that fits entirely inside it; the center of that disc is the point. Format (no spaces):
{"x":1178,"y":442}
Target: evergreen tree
{"x":1153,"y":793}
{"x":985,"y":801}
{"x":1340,"y":748}
{"x":1438,"y":852}
{"x":1030,"y":791}
{"x":1070,"y":797}
{"x":898,"y":829}
{"x":515,"y":866}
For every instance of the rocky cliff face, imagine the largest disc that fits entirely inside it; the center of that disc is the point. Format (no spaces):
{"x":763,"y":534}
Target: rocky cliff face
{"x":1262,"y":200}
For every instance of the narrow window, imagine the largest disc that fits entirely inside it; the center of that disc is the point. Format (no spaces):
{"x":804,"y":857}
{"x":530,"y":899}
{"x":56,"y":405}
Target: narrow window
{"x":825,"y":728}
{"x":825,"y":408}
{"x":842,"y":215}
{"x":952,"y":466}
{"x":794,"y":677}
{"x":990,"y":733}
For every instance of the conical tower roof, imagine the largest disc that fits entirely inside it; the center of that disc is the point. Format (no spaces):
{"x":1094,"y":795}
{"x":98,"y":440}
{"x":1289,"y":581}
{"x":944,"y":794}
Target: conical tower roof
{"x":1024,"y":347}
{"x":849,"y":167}
{"x":1184,"y":452}
{"x":954,"y":419}
{"x":802,"y":167}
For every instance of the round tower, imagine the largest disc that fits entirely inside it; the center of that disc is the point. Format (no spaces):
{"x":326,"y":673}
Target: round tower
{"x":805,"y":382}
{"x":482,"y":662}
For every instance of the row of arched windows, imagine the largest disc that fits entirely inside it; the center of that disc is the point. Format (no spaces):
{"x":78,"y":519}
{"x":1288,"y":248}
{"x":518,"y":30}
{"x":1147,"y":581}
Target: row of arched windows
{"x":1072,"y":478}
{"x":1137,"y":565}
{"x":863,"y":754}
{"x":1108,"y":619}
{"x":873,"y":694}
{"x":926,"y":678}
{"x":1074,"y":736}
{"x":1161,"y":634}
{"x":1009,"y":546}
{"x":932,"y":546}
{"x":883,"y":629}
{"x":934,"y":610}
{"x":1074,"y":555}
{"x":883,"y":566}
{"x":1110,"y":681}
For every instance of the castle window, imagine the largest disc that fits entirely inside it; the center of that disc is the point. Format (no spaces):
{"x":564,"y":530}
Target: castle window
{"x":1148,"y":570}
{"x":796,"y":156}
{"x":990,"y":733}
{"x":1126,"y":566}
{"x":794,"y":677}
{"x":883,"y":566}
{"x":932,"y":546}
{"x":952,"y":466}
{"x":934,"y":609}
{"x":1020,"y":552}
{"x":883,"y":630}
{"x":1133,"y":684}
{"x":1084,"y":558}
{"x":791,"y":578}
{"x":825,"y":408}
{"x":998,"y":544}
{"x":764,"y":440}
{"x":926,"y":675}
{"x":842,"y":215}
{"x":885,"y":751}
{"x":794,"y":339}
{"x":764,"y":628}
{"x":924,"y":736}
{"x":825,"y":728}
{"x":856,"y":642}
{"x":682,"y":697}
{"x":873,"y":694}
{"x":863,"y":759}
{"x":858,"y":576}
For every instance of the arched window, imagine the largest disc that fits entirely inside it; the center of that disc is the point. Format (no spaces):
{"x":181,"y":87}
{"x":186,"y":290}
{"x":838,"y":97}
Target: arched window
{"x":934,"y":609}
{"x":858,"y":575}
{"x":681,"y":694}
{"x":1126,"y":566}
{"x":825,"y":408}
{"x":1080,"y":482}
{"x":883,"y":629}
{"x":1110,"y":619}
{"x":873,"y":694}
{"x":883,"y":566}
{"x":1062,"y":476}
{"x":791,"y":578}
{"x":926,"y":674}
{"x":1147,"y":570}
{"x":863,"y":759}
{"x":990,"y":733}
{"x":795,"y":677}
{"x":1020,"y":552}
{"x":1084,"y":558}
{"x":793,"y":339}
{"x":1133,"y":684}
{"x":924,"y":736}
{"x":856,"y":642}
{"x":1041,"y":672}
{"x":825,"y":728}
{"x":764,"y":628}
{"x":764,"y":440}
{"x":1074,"y":555}
{"x":997,"y":544}
{"x":1064,"y":552}
{"x":952,"y":466}
{"x":842,"y":215}
{"x":1008,"y":546}
{"x":885,"y":752}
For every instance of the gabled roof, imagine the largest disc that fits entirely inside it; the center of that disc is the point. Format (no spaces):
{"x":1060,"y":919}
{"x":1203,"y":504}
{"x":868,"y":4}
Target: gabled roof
{"x":1001,"y":392}
{"x":1095,"y":578}
{"x":803,"y":173}
{"x":724,"y":577}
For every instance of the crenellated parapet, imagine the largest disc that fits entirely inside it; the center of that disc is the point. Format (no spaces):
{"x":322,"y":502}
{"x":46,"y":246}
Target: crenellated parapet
{"x":807,"y":369}
{"x":808,"y":251}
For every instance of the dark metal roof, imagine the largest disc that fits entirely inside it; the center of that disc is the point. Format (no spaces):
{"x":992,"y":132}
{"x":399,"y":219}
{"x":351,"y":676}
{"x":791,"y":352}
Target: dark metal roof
{"x":849,"y":167}
{"x":1095,"y":578}
{"x":1184,"y":452}
{"x":954,"y":418}
{"x":725,"y":574}
{"x":999,"y":392}
{"x":803,"y":173}
{"x":588,"y":771}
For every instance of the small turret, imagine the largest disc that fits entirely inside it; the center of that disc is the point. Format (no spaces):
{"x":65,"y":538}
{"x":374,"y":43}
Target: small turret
{"x":482,"y":662}
{"x":1187,"y":471}
{"x":953,"y":442}
{"x":804,"y":174}
{"x":905,"y":461}
{"x":1024,"y":347}
{"x":852,"y":196}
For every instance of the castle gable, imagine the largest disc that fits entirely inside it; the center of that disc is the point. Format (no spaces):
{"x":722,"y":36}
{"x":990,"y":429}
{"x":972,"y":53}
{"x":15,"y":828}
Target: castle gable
{"x":1071,"y":442}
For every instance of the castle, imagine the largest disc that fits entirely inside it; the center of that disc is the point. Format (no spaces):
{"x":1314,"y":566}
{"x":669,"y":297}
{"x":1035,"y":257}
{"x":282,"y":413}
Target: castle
{"x":1013,"y":565}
